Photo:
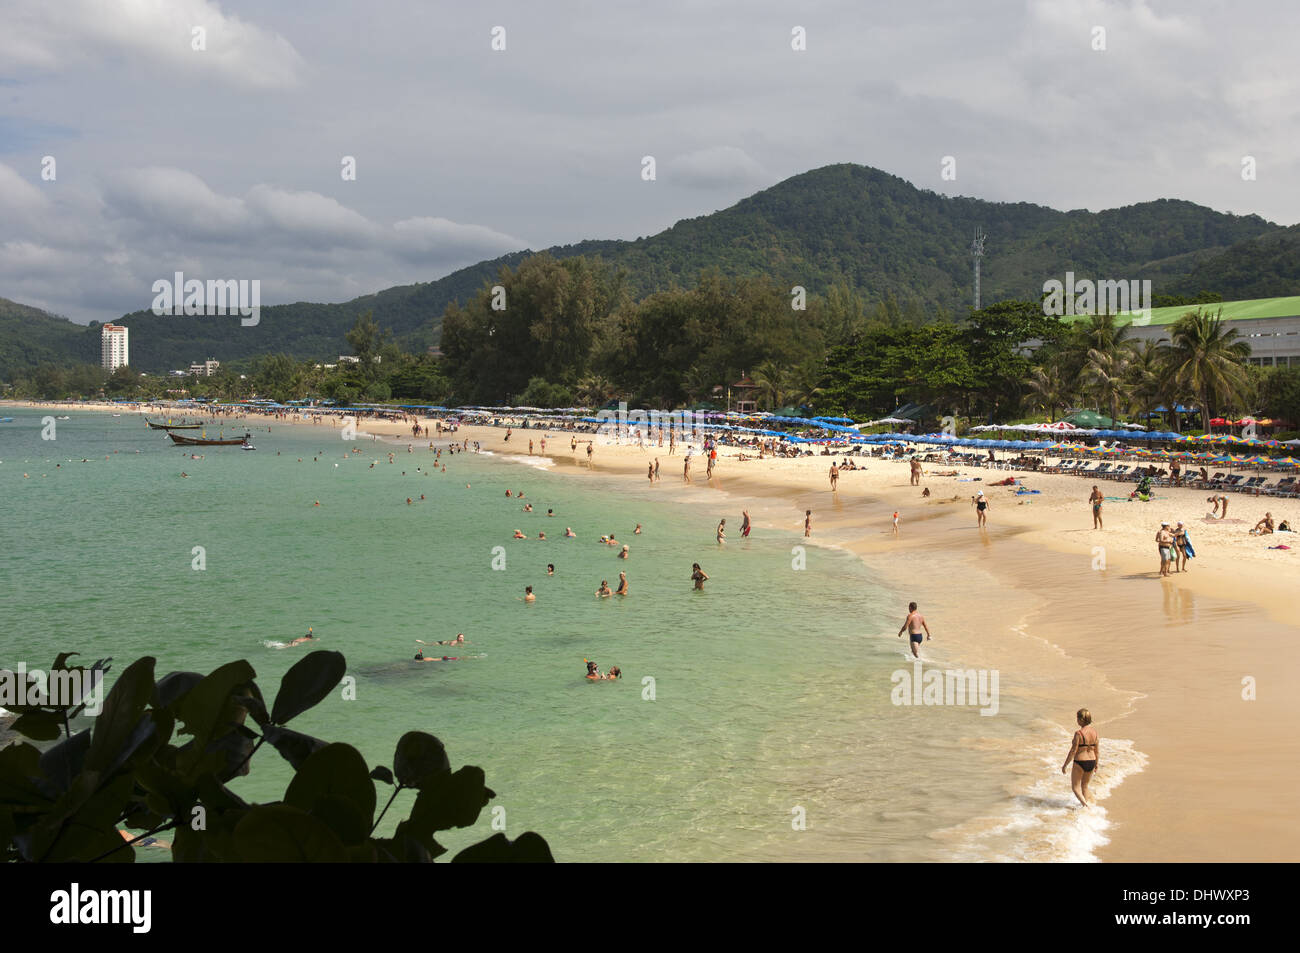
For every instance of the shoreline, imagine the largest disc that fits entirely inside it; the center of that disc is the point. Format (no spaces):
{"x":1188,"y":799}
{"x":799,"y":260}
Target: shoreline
{"x":1109,"y":625}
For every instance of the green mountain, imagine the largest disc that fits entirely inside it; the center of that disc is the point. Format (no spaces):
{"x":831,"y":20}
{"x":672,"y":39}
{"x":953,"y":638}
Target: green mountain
{"x":30,"y":337}
{"x":843,"y":222}
{"x":1263,"y":267}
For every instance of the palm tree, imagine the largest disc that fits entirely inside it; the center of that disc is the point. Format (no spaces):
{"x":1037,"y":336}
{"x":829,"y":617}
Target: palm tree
{"x":1101,"y":333}
{"x":593,"y":390}
{"x":1209,"y":361}
{"x":1104,"y":374}
{"x":1049,"y":390}
{"x":805,"y":380}
{"x":1146,"y":374}
{"x":774,"y":384}
{"x":696,"y":382}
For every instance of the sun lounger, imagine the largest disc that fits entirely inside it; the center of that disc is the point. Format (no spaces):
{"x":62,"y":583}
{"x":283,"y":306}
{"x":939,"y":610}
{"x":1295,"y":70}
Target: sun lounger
{"x":1283,"y":487}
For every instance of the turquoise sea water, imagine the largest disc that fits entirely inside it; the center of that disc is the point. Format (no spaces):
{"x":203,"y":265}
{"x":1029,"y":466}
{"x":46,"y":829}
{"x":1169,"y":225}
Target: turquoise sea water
{"x":771,"y":688}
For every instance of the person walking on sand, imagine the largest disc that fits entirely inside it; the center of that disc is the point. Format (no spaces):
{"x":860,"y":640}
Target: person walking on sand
{"x":686,"y":470}
{"x":914,"y":624}
{"x":916,"y":472}
{"x":1182,"y":547}
{"x":656,"y":470}
{"x":981,"y":509}
{"x":807,"y":523}
{"x":1164,"y":543}
{"x":589,"y":452}
{"x":894,"y":532}
{"x":744,"y":525}
{"x":835,"y":476}
{"x":1096,"y":500}
{"x":1085,"y":754}
{"x":650,"y":472}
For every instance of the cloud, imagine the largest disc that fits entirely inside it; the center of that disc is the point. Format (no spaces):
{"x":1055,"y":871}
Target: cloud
{"x":176,"y":201}
{"x":421,"y":238}
{"x":716,"y":168}
{"x":55,"y":36}
{"x":152,"y":221}
{"x":17,"y":195}
{"x":311,"y":217}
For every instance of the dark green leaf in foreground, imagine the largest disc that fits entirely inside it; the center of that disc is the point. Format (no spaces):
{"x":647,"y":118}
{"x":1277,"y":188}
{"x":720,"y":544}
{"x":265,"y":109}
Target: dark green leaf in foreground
{"x":527,"y":848}
{"x":420,"y":758}
{"x":305,"y":684}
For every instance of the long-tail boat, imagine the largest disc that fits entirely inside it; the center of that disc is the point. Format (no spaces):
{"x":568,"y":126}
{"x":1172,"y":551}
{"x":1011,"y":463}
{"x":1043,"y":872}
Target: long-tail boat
{"x":201,"y":442}
{"x":172,"y":426}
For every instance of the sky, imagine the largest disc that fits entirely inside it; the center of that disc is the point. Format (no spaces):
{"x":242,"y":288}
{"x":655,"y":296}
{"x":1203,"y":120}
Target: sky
{"x":139,"y":138}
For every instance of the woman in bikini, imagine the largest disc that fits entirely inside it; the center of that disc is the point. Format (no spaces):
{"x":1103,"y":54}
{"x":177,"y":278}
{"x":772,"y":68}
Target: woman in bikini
{"x":1085,"y":753}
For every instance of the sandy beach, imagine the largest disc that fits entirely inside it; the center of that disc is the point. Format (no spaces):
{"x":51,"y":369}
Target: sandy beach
{"x":1194,"y":666}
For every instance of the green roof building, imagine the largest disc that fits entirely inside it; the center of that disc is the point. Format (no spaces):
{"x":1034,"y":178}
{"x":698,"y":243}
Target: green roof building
{"x":1270,"y":325}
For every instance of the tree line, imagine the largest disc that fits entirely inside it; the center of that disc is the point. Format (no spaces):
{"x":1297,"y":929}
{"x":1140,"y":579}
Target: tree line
{"x":561,"y":332}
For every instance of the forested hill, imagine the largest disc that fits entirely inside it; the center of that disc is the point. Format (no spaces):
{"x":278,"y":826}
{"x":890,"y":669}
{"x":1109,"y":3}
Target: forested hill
{"x":846,"y":222}
{"x":1263,"y":267}
{"x":30,"y":337}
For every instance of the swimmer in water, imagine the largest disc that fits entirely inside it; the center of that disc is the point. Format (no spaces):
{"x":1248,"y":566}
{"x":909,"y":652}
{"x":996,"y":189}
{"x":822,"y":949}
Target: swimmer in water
{"x":519,"y":534}
{"x":528,"y":594}
{"x":722,"y":532}
{"x":614,"y":672}
{"x":550,"y":569}
{"x":568,"y":531}
{"x":458,"y":640}
{"x":622,"y":585}
{"x":541,"y":535}
{"x":604,"y":589}
{"x":623,"y":553}
{"x":592,"y":671}
{"x":306,"y":638}
{"x":637,"y":531}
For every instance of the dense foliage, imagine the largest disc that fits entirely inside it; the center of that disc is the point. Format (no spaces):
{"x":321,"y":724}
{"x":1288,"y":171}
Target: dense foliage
{"x":67,"y":802}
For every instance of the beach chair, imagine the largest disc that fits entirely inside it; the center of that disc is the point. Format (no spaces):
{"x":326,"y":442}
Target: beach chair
{"x":1102,"y":470}
{"x":1233,"y":482}
{"x":1120,"y":472}
{"x":1215,"y":481}
{"x":1283,"y":487}
{"x":1255,"y":483}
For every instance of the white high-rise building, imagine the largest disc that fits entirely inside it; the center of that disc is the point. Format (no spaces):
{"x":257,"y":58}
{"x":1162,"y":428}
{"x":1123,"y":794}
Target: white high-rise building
{"x":112,"y":347}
